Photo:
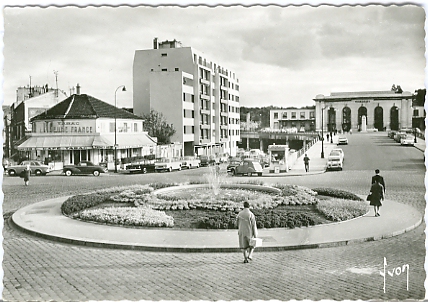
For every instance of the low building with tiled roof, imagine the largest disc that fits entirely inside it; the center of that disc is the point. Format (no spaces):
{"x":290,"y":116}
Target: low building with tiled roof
{"x":82,"y":127}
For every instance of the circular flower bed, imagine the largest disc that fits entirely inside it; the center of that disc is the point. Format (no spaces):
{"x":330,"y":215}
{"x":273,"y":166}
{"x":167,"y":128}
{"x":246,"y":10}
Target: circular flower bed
{"x":142,"y":205}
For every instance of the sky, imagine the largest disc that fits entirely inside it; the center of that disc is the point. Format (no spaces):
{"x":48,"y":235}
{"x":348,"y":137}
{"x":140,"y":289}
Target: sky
{"x":283,"y":56}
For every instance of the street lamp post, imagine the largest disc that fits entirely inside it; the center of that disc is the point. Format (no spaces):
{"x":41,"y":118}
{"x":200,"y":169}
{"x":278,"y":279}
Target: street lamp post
{"x":322,"y":132}
{"x":115,"y":130}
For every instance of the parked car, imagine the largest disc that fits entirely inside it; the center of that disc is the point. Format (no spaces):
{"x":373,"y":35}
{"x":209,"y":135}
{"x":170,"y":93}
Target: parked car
{"x":37,"y":168}
{"x":407,"y":140}
{"x":142,"y":165}
{"x":84,"y":167}
{"x":167,"y":164}
{"x":232,"y":164}
{"x":334,"y":162}
{"x":342,"y":140}
{"x":248,"y":167}
{"x":339,"y":152}
{"x":391,"y":133}
{"x":203,"y":161}
{"x":399,"y":135}
{"x":190,"y":162}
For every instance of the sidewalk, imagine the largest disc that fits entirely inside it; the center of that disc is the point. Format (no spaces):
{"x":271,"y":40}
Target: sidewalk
{"x":317,"y":164}
{"x":45,"y":219}
{"x":420,"y":144}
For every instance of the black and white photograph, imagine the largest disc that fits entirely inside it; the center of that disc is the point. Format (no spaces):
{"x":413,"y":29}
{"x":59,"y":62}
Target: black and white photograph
{"x":201,"y":151}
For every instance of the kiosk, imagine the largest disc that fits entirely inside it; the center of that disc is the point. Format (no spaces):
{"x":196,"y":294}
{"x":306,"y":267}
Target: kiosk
{"x":278,"y":158}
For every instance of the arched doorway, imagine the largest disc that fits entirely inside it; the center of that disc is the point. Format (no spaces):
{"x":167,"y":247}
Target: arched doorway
{"x":362,"y":111}
{"x":394,"y":118}
{"x":378,"y":118}
{"x":331,"y":121}
{"x":346,"y":119}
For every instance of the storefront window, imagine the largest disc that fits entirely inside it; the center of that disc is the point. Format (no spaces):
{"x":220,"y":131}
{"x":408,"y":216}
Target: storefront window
{"x":55,"y":155}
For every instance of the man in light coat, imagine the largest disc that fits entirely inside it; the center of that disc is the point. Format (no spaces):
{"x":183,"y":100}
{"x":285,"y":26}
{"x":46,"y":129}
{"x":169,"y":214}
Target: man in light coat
{"x":247,"y":229}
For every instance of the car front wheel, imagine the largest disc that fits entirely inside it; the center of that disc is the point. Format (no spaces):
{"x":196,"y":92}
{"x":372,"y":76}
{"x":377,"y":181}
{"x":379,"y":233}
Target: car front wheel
{"x":68,"y":173}
{"x":96,"y":173}
{"x":38,"y":172}
{"x":11,"y":172}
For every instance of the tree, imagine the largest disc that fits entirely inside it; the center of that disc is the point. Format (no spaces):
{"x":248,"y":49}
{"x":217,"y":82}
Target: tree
{"x":156,"y":125}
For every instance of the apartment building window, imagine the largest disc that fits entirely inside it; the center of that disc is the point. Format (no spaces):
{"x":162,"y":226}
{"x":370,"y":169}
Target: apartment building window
{"x":293,"y":114}
{"x":193,"y":113}
{"x":193,"y":129}
{"x":415,"y":112}
{"x":193,"y":98}
{"x":164,"y":54}
{"x":302,"y":115}
{"x":177,"y":69}
{"x":284,"y":115}
{"x":164,"y":69}
{"x":312,"y":114}
{"x":275,"y":115}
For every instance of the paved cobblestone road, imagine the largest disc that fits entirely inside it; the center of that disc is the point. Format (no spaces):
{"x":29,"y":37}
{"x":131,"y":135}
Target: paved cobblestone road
{"x":41,"y":270}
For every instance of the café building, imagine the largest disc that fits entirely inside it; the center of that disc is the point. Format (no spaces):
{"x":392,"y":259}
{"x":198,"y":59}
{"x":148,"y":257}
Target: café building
{"x":84,"y":128}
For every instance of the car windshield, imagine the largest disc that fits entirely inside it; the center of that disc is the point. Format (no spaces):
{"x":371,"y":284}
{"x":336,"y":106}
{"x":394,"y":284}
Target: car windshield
{"x":334,"y":159}
{"x":335,"y":153}
{"x":162,"y":160}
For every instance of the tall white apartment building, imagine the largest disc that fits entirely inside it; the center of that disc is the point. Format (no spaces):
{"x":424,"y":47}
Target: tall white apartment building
{"x":198,"y":96}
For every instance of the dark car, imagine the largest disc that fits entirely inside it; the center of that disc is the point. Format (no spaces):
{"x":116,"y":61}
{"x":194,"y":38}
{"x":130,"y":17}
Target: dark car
{"x":143,"y":166}
{"x":84,"y":167}
{"x":232,"y":165}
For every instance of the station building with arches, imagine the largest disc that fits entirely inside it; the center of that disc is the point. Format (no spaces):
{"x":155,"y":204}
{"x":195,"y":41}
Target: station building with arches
{"x":364,"y":110}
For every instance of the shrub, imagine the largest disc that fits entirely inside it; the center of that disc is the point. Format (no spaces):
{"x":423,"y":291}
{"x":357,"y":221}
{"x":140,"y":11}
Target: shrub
{"x":264,"y":219}
{"x":161,"y":185}
{"x":342,"y":209}
{"x":337,"y":193}
{"x":81,"y":202}
{"x":127,"y":216}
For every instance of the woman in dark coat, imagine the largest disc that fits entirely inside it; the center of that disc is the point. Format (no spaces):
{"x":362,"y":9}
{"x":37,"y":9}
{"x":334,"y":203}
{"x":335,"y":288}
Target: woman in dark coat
{"x":376,"y":196}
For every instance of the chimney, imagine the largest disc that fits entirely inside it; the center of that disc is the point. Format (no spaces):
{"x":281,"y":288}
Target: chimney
{"x":155,"y":43}
{"x":78,"y":89}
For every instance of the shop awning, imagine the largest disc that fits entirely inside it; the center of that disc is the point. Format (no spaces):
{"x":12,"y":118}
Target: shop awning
{"x":57,"y":143}
{"x":134,"y":141}
{"x":85,"y":142}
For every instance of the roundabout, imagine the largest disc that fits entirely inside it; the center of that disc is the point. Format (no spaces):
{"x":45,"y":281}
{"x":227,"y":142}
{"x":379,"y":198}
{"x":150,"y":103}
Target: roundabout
{"x":45,"y":219}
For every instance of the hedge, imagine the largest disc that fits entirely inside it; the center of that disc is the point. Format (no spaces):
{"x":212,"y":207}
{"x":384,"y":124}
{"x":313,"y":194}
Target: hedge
{"x":337,"y":193}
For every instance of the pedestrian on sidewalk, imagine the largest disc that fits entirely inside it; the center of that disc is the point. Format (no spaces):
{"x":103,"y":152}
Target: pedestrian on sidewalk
{"x":379,"y":179}
{"x":376,"y":196}
{"x":26,"y":175}
{"x":328,"y":136}
{"x":247,"y":229}
{"x":306,"y":159}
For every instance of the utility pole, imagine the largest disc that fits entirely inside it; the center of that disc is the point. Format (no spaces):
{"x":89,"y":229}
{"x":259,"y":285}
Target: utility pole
{"x":56,"y":81}
{"x":29,"y":93}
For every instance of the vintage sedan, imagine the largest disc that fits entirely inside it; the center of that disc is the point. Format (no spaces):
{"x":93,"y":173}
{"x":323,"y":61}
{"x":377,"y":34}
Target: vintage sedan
{"x":37,"y":168}
{"x":407,"y":140}
{"x":232,"y":164}
{"x":190,"y":162}
{"x":334,"y":162}
{"x":84,"y":167}
{"x":338,"y":152}
{"x":167,"y":164}
{"x":342,"y":140}
{"x":248,"y":167}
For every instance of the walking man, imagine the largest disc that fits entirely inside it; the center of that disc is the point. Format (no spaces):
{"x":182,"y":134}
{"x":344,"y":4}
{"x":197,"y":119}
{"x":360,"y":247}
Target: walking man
{"x":306,"y":159}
